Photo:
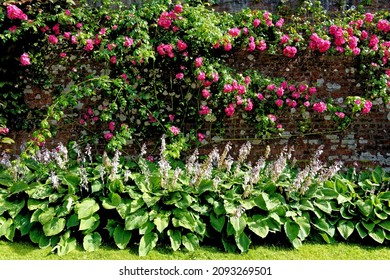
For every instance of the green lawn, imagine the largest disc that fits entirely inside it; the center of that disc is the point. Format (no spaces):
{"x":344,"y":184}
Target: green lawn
{"x":309,"y":251}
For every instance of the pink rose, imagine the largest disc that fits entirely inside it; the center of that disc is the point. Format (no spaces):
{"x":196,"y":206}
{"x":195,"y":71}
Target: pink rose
{"x":201,"y":137}
{"x":279,"y":102}
{"x":113,"y":59}
{"x":179,"y":76}
{"x":178,"y":9}
{"x":341,"y":115}
{"x":279,"y":23}
{"x":52,"y":39}
{"x":111,"y":126}
{"x":272,"y":117}
{"x":108,"y":136}
{"x":229,"y":110}
{"x":14,"y":12}
{"x":198,"y":62}
{"x":320,"y":107}
{"x":25,"y":59}
{"x":63,"y":55}
{"x":204,"y":110}
{"x":128,"y":42}
{"x":234,"y":32}
{"x":201,"y":76}
{"x":181,"y":46}
{"x":256,"y":22}
{"x":4,"y":130}
{"x":175,"y":130}
{"x":205,"y":93}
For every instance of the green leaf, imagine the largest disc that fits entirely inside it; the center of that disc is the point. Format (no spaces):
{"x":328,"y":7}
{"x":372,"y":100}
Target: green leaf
{"x":72,"y":181}
{"x":264,"y":202}
{"x":72,"y":221}
{"x":121,"y":237}
{"x":304,"y":227}
{"x":116,"y":186}
{"x":7,"y":229}
{"x":238,"y":224}
{"x":15,"y":207}
{"x":35,"y":234}
{"x":18,"y":187}
{"x":324,"y":226}
{"x":161,"y":221}
{"x":340,"y":186}
{"x":324,"y":206}
{"x":44,"y":241}
{"x":22,"y":223}
{"x":361,"y":230}
{"x":345,"y":228}
{"x":112,"y":201}
{"x":190,"y":241}
{"x":204,"y":186}
{"x":86,"y":208}
{"x":6,"y":179}
{"x":306,"y":205}
{"x":46,"y":215}
{"x":259,"y":226}
{"x":96,"y":186}
{"x":380,"y":214}
{"x":92,"y":242}
{"x":377,"y":175}
{"x":368,"y":225}
{"x":377,"y":234}
{"x":291,"y":229}
{"x":297,"y":243}
{"x":217,"y":222}
{"x":150,"y":199}
{"x":186,"y":201}
{"x":385,"y":225}
{"x":175,"y":238}
{"x":147,"y":243}
{"x":173,"y":198}
{"x":33,"y":204}
{"x":136,"y":220}
{"x":345,"y":213}
{"x":384,"y":196}
{"x":365,"y":207}
{"x":89,"y":223}
{"x":243,"y":242}
{"x":54,"y":226}
{"x":66,"y":245}
{"x":184,"y":219}
{"x":136,"y":204}
{"x":146,"y":228}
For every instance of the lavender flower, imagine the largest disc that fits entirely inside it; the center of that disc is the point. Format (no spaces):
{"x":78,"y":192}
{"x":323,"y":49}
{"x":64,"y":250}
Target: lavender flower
{"x":84,"y":178}
{"x":221,"y":162}
{"x":5,"y":160}
{"x":55,"y":181}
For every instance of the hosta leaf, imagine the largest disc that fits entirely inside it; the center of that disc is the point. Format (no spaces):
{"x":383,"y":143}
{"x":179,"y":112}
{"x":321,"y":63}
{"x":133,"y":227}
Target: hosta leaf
{"x":66,"y":245}
{"x":291,"y":229}
{"x":345,"y":213}
{"x":380,"y":214}
{"x":15,"y":207}
{"x":345,"y":228}
{"x":183,"y":219}
{"x":259,"y":227}
{"x":72,"y":221}
{"x":22,"y":223}
{"x":54,"y":226}
{"x":92,"y":242}
{"x":365,"y":207}
{"x":150,"y":199}
{"x":34,"y":234}
{"x":384,"y":196}
{"x":33,"y":204}
{"x":96,"y":186}
{"x":264,"y":202}
{"x":121,"y":237}
{"x":204,"y":186}
{"x":44,"y":241}
{"x":368,"y":225}
{"x":238,"y":223}
{"x":161,"y":221}
{"x":340,"y":186}
{"x":116,"y":186}
{"x":6,"y":179}
{"x":18,"y":187}
{"x":146,"y":228}
{"x":72,"y":181}
{"x":304,"y":227}
{"x":186,"y":201}
{"x":190,"y":241}
{"x":385,"y":225}
{"x":217,"y":222}
{"x":173,"y":198}
{"x":136,"y":204}
{"x":377,"y":175}
{"x":297,"y":243}
{"x":243,"y":242}
{"x":324,"y":226}
{"x":361,"y":230}
{"x":324,"y":206}
{"x":175,"y":238}
{"x":7,"y":229}
{"x":147,"y":243}
{"x":306,"y":205}
{"x":46,"y":215}
{"x":39,"y":191}
{"x":136,"y":220}
{"x":377,"y":234}
{"x":86,"y":208}
{"x":112,"y":201}
{"x":90,"y":223}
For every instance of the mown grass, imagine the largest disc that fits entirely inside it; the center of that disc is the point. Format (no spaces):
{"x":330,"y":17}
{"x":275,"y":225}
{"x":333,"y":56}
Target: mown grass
{"x":309,"y":251}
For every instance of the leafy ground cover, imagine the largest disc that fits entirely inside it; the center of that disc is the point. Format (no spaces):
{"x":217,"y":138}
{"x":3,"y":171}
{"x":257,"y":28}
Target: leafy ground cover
{"x":309,"y":251}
